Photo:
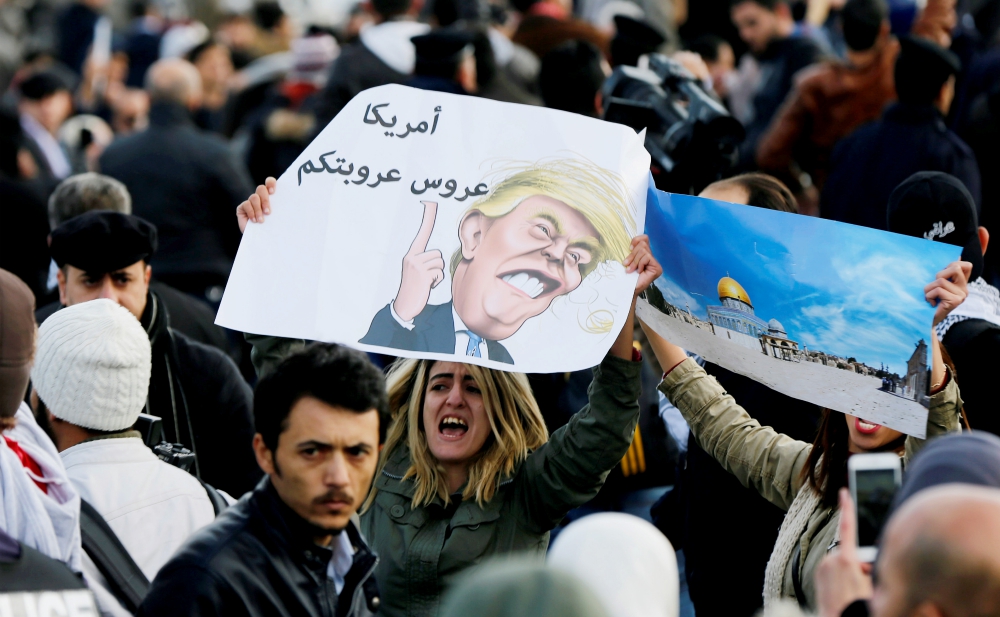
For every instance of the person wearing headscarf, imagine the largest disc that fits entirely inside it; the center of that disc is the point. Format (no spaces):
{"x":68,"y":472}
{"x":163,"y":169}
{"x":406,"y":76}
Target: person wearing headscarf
{"x":964,"y":458}
{"x":39,"y":508}
{"x":520,"y":588}
{"x":623,"y":559}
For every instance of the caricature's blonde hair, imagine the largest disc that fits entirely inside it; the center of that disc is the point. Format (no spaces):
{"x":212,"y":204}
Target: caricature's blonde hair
{"x":516,"y":428}
{"x":601,"y":196}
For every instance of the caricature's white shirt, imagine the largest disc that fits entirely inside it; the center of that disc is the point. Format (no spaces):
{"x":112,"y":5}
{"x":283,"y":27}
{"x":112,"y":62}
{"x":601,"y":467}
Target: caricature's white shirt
{"x":461,"y":333}
{"x":462,"y":338}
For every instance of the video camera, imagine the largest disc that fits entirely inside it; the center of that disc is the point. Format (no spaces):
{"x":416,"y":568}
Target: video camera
{"x":690,"y":136}
{"x":176,"y":454}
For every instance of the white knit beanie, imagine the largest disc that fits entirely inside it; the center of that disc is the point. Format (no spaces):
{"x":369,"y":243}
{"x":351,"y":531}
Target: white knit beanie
{"x":92,"y":366}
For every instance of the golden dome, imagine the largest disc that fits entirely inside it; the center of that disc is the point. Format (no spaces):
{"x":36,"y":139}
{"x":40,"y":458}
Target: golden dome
{"x":728,"y":288}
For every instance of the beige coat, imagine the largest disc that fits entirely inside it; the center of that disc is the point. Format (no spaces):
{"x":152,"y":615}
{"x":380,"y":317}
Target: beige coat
{"x":771,"y":462}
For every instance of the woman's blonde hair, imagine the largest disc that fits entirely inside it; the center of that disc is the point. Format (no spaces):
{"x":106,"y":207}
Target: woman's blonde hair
{"x":601,"y":196}
{"x":516,"y":426}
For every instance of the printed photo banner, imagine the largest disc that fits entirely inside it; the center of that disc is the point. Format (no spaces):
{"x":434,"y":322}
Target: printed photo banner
{"x":431,"y":225}
{"x":826,"y":312}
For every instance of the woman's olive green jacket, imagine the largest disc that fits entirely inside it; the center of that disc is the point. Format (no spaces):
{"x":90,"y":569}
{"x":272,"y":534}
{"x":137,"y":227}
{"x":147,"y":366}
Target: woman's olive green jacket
{"x":772,"y":463}
{"x":421,"y":550}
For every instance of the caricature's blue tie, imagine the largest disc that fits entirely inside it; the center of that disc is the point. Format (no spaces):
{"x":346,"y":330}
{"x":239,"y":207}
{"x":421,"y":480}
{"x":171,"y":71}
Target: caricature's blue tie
{"x":474,"y":341}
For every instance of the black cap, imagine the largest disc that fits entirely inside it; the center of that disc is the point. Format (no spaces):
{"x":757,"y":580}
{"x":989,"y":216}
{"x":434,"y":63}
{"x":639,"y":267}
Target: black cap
{"x":441,"y":46}
{"x":102,"y":241}
{"x":633,"y":39}
{"x":936,"y":206}
{"x":43,"y":84}
{"x":922,"y":68}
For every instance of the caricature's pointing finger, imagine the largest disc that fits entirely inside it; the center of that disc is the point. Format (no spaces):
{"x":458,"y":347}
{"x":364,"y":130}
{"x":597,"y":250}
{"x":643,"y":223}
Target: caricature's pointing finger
{"x":426,"y":227}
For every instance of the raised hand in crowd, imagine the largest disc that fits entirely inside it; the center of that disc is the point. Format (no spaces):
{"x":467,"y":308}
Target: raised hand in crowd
{"x":258,"y":205}
{"x":949,"y":289}
{"x":841,"y":577}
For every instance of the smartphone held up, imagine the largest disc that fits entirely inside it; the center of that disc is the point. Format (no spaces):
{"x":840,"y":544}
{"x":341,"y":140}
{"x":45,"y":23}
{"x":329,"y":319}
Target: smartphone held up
{"x":873,"y":480}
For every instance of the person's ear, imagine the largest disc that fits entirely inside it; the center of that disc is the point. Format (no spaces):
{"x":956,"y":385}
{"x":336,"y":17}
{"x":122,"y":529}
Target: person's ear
{"x":946,"y":96}
{"x":927,"y":609}
{"x":984,"y":238}
{"x":884,"y":31}
{"x":148,"y":275}
{"x":61,"y":280}
{"x":470,"y":233}
{"x":265,"y":458}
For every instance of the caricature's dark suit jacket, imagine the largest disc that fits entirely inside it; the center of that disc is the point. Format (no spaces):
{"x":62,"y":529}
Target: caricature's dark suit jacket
{"x":433,"y":330}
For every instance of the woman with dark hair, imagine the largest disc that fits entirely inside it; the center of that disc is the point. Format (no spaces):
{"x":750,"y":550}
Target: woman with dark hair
{"x":696,"y":514}
{"x":801,"y":478}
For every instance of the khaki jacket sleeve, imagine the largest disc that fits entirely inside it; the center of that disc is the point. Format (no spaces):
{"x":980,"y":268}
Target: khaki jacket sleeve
{"x":268,"y":351}
{"x":943,"y":417}
{"x":570,"y":469}
{"x":758,"y":456}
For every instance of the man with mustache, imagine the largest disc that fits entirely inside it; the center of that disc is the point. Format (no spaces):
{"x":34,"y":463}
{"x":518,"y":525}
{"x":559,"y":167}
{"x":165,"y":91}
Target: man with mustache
{"x":292,"y":546}
{"x":534,"y":237}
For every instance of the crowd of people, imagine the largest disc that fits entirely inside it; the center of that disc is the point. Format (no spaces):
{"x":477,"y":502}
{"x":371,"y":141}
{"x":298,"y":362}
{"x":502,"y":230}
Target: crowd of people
{"x":172,"y":467}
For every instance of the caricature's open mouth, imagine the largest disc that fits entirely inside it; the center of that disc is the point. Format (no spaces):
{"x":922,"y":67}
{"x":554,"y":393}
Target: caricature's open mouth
{"x":453,"y":427}
{"x":532,"y":283}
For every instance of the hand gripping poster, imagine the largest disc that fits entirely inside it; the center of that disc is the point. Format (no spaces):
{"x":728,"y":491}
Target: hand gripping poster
{"x":825,"y":312}
{"x":431,"y":225}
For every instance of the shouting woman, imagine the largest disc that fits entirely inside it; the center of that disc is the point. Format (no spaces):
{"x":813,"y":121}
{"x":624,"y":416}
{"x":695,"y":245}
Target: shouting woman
{"x":468,"y":470}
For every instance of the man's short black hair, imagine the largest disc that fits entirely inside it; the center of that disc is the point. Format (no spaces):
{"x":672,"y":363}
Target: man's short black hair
{"x":922,"y":69}
{"x":336,"y":375}
{"x":707,"y":46}
{"x":770,"y":5}
{"x":863,"y":21}
{"x":268,"y":15}
{"x":391,"y":8}
{"x":570,"y":77}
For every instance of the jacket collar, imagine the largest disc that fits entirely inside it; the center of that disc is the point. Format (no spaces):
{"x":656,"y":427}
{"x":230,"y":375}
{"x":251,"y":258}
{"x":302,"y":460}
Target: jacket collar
{"x":460,"y":511}
{"x":297,"y":535}
{"x":166,"y":114}
{"x":909,"y":113}
{"x":155,"y":320}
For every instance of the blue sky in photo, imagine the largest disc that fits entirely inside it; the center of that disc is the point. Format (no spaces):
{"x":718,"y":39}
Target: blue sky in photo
{"x":836,"y":288}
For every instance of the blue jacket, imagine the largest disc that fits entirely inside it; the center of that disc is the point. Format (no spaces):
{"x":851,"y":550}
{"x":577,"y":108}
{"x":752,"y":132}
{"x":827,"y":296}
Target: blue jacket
{"x":868,"y":164}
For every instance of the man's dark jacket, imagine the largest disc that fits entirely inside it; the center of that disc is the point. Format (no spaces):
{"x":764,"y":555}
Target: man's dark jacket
{"x":188,"y":183}
{"x":433,"y":330}
{"x":354,"y":70}
{"x":202,"y":385}
{"x":779,"y":63}
{"x":869,"y":163}
{"x":259,"y":558}
{"x":198,"y":389}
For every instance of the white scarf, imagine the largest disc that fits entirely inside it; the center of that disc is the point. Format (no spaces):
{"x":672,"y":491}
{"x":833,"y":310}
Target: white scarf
{"x":49,"y":523}
{"x":983,"y":302}
{"x":792,"y":527}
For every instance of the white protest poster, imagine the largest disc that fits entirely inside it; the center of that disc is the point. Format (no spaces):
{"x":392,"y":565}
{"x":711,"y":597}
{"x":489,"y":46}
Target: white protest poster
{"x":431,"y":225}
